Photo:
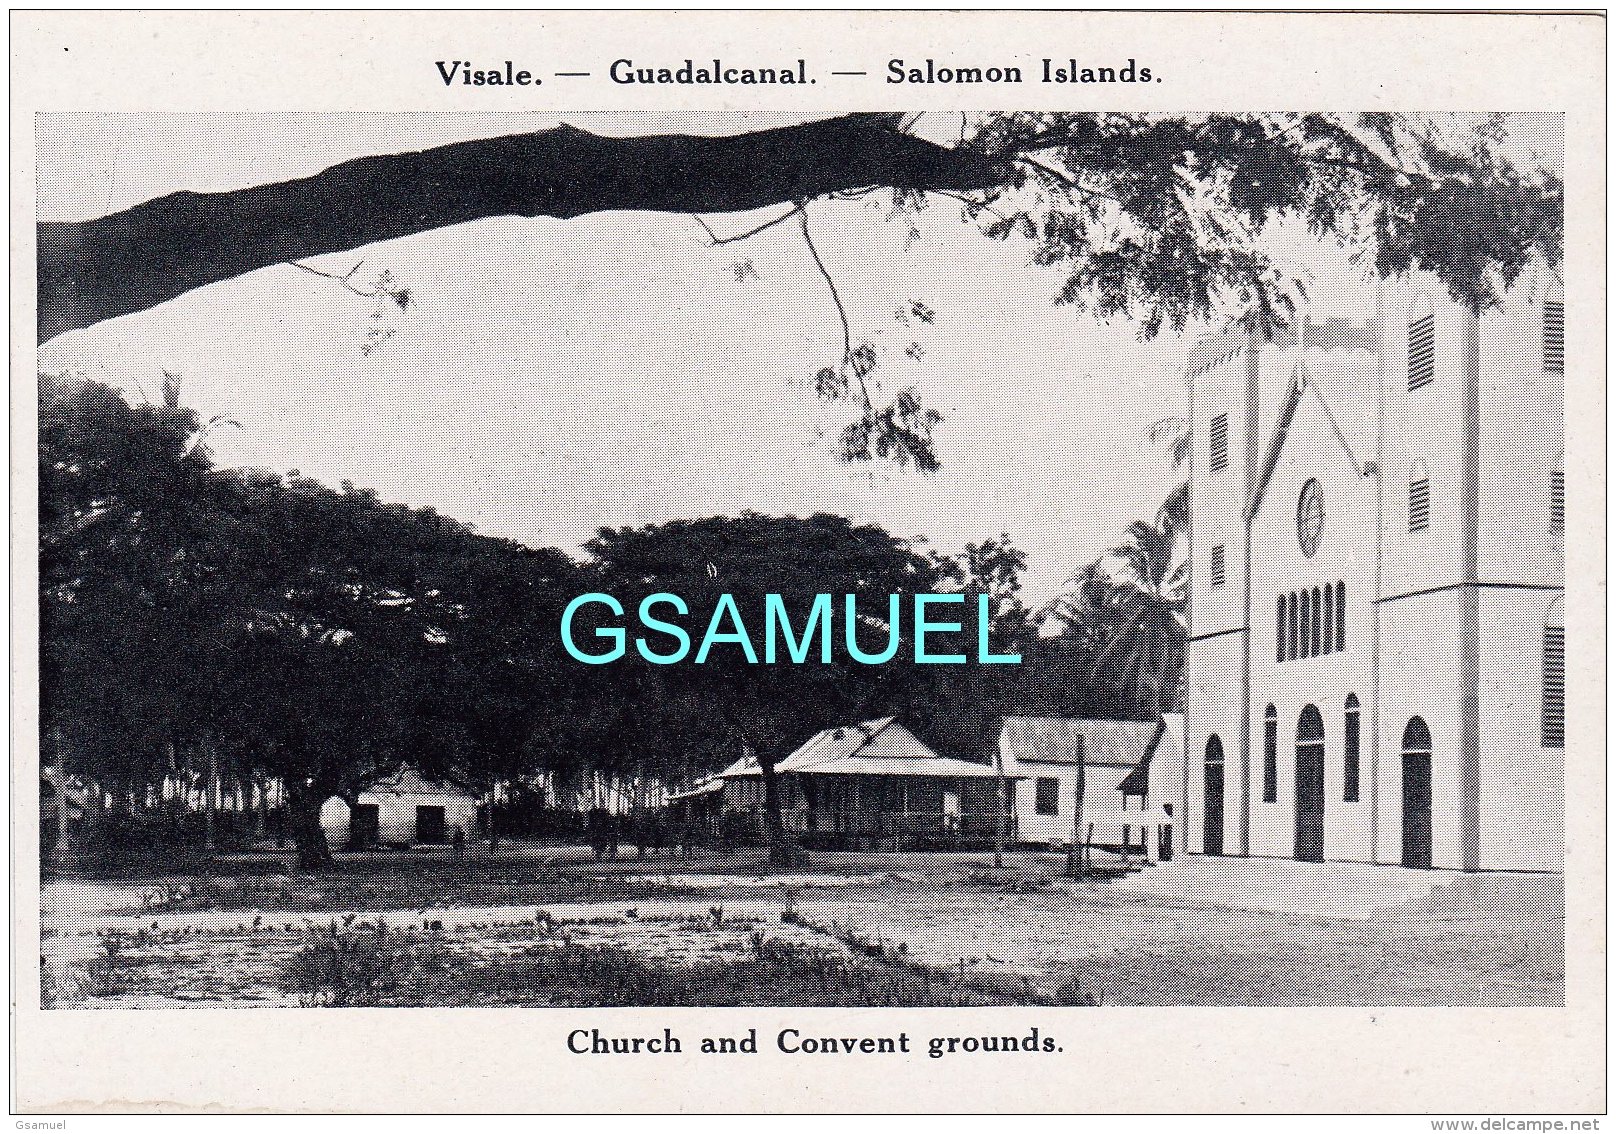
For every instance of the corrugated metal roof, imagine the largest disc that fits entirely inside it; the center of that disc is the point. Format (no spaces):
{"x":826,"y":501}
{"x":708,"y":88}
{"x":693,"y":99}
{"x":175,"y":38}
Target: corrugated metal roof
{"x":705,"y":787}
{"x":410,"y":782}
{"x":746,"y":765}
{"x":945,"y":766}
{"x":1054,"y":740}
{"x":844,"y":741}
{"x":880,"y":747}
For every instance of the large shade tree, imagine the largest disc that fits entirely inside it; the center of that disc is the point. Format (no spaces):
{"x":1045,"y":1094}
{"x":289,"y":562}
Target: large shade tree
{"x":314,"y":636}
{"x":122,"y":500}
{"x":730,"y":703}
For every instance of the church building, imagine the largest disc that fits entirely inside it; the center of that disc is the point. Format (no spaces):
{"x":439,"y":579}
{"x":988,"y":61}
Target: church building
{"x":1376,"y":660}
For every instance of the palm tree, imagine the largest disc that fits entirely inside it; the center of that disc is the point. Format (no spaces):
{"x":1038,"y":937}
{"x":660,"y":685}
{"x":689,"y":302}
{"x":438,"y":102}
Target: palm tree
{"x":1173,"y":435}
{"x":1128,"y":609}
{"x":1148,"y":596}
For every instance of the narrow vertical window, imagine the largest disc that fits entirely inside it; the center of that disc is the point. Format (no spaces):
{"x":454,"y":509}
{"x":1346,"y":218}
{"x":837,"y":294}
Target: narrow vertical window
{"x":1554,"y":687}
{"x":1317,"y":644}
{"x":1218,"y":567}
{"x":1349,"y":770}
{"x":1270,"y":756}
{"x":1419,"y":498}
{"x":1557,"y":502}
{"x":1290,"y":626}
{"x":1554,"y":338}
{"x":1219,"y":456}
{"x":1279,"y":629}
{"x":1421,"y":352}
{"x":1303,"y":625}
{"x":1329,"y":619}
{"x":1341,"y":616}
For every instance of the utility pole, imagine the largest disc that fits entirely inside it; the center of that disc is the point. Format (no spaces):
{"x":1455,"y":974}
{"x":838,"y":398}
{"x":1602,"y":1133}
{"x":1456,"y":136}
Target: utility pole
{"x":999,"y":819}
{"x":1074,"y":850}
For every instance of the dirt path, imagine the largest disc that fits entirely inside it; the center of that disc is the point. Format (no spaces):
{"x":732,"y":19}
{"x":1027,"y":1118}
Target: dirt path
{"x":1497,"y":945}
{"x":1220,"y":933}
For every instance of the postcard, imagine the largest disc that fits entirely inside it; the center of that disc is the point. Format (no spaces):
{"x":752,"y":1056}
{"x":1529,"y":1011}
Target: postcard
{"x":991,"y":562}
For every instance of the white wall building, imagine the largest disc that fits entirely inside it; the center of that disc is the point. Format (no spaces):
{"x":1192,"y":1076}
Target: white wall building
{"x":1375,"y":669}
{"x":1132,"y":773}
{"x":405,"y":809}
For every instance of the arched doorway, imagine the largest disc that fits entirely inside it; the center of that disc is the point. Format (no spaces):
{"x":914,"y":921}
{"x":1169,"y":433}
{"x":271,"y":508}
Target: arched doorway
{"x":1310,"y":786}
{"x":1212,"y":820}
{"x":1417,"y":794}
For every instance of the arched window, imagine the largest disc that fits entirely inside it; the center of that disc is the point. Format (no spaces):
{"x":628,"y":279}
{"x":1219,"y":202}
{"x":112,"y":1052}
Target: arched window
{"x":1310,"y":726}
{"x":1270,"y":756}
{"x":1212,"y":807}
{"x":1349,"y":767}
{"x":1329,"y":619}
{"x":1554,"y":677}
{"x":1419,"y":497}
{"x":1341,"y":616}
{"x":1314,"y":643}
{"x":1421,"y":347}
{"x":1308,"y":775}
{"x":1417,"y":736}
{"x":1417,"y":794}
{"x":1279,"y":628}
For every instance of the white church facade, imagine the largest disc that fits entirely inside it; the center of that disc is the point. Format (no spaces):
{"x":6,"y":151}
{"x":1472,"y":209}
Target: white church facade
{"x":1376,"y":660}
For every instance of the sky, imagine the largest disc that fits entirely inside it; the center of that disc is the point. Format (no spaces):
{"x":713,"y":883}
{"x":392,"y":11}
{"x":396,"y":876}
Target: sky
{"x":553,"y":377}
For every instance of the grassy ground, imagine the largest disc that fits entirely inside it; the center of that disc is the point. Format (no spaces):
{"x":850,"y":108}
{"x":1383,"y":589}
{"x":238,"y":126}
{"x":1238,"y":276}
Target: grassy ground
{"x":661,"y":958}
{"x":544,"y":925}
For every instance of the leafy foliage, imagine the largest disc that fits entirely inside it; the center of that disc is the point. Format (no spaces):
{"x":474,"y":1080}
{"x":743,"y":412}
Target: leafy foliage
{"x":1165,"y":218}
{"x":1123,"y":616}
{"x":319,"y":637}
{"x":1173,"y":221}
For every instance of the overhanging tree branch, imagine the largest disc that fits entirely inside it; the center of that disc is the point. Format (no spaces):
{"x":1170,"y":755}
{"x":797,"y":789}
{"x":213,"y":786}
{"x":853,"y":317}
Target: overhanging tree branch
{"x":95,"y":270}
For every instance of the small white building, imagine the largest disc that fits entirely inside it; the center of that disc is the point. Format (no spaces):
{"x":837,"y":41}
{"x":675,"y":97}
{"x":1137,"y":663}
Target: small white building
{"x":404,"y":809}
{"x":1132,"y":772}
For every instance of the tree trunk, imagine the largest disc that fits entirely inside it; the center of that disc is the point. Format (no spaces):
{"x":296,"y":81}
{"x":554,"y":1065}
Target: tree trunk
{"x":261,"y":812}
{"x":303,"y":813}
{"x":63,"y":851}
{"x":210,"y":802}
{"x":493,"y":817}
{"x":782,"y":851}
{"x":99,"y":269}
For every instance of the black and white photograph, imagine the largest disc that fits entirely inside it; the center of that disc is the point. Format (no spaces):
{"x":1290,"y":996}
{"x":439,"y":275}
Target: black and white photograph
{"x":766,"y":559}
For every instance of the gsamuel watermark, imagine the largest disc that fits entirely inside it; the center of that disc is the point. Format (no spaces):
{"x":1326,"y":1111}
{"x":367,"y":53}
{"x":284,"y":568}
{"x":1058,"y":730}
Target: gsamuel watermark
{"x":661,"y":636}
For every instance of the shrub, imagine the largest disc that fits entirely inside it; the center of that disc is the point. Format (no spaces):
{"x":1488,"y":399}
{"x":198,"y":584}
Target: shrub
{"x":359,"y":970}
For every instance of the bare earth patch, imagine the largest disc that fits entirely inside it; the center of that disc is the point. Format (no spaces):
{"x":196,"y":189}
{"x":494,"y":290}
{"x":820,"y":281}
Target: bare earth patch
{"x":873,"y":929}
